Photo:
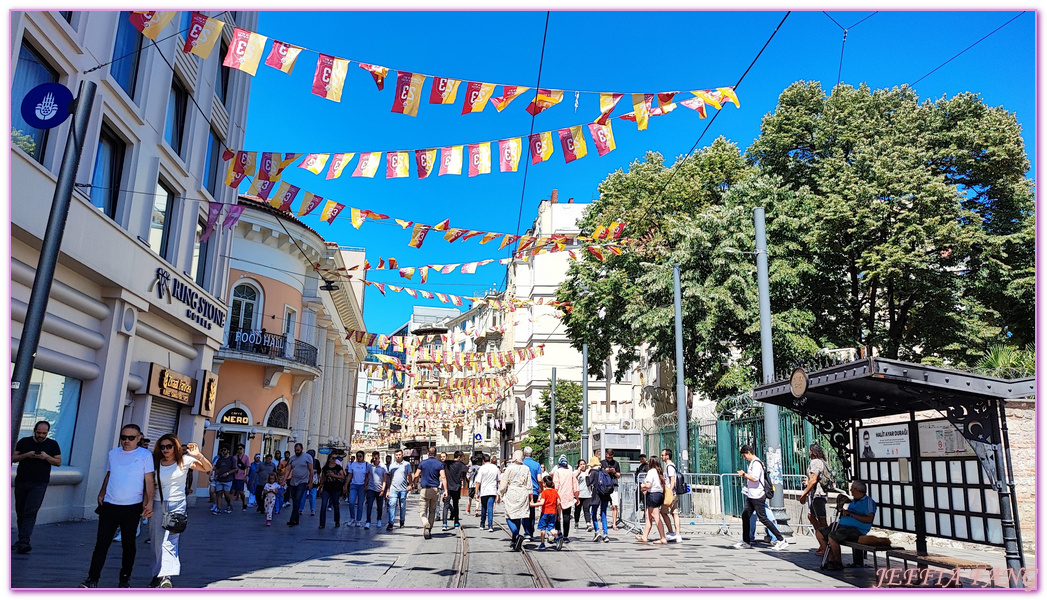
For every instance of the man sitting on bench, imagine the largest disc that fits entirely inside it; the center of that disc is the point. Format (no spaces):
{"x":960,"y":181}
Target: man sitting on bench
{"x":855,"y":521}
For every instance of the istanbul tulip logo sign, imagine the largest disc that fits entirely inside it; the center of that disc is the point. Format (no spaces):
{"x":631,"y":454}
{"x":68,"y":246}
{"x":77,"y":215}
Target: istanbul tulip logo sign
{"x":47,"y":105}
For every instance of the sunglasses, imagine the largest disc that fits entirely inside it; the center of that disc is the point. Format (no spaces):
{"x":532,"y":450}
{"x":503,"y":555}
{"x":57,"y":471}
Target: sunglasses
{"x":128,"y":438}
{"x":167,"y":447}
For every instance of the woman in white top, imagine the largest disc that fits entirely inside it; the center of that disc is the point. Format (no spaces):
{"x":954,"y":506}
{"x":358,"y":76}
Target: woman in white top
{"x":514,"y":491}
{"x":585,"y":494}
{"x":172,"y":464}
{"x":654,"y":486}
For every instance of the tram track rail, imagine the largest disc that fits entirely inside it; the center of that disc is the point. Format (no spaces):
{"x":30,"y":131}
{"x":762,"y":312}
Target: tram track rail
{"x":461,"y":575}
{"x":541,"y":580}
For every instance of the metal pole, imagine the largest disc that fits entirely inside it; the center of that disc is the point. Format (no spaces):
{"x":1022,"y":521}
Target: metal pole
{"x":51,"y":247}
{"x":585,"y":402}
{"x":772,"y":431}
{"x":681,"y":391}
{"x":552,"y":423}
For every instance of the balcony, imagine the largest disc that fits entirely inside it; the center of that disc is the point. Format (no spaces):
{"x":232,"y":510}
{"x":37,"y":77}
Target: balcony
{"x":271,"y":345}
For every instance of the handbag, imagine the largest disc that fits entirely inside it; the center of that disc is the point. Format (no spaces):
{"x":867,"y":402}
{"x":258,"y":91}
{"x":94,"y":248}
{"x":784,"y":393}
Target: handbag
{"x":171,"y":521}
{"x":669,"y":497}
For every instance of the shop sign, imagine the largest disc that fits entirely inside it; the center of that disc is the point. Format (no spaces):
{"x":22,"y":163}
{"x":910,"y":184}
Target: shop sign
{"x":235,"y":416}
{"x":208,"y":394}
{"x":170,"y":384}
{"x":199,"y":308}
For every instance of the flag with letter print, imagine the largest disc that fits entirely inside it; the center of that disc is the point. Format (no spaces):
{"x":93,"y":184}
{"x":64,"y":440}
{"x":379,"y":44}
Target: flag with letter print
{"x":479,"y":159}
{"x":338,"y":164}
{"x":396,"y":164}
{"x":509,"y":93}
{"x":330,"y":211}
{"x":424,"y":161}
{"x":573,"y":143}
{"x":476,"y":96}
{"x":444,"y":90}
{"x":603,"y":137}
{"x":451,"y":160}
{"x":330,"y":77}
{"x":541,"y":146}
{"x":509,"y":154}
{"x":309,"y":202}
{"x":314,"y":163}
{"x":202,"y":35}
{"x":245,"y":51}
{"x":408,"y":92}
{"x":544,"y":99}
{"x":367,"y":166}
{"x":150,"y":22}
{"x":282,"y":56}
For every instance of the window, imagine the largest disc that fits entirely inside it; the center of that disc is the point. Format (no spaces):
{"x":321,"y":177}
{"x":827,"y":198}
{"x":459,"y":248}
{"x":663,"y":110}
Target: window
{"x":290,"y":320}
{"x":174,"y":129}
{"x":55,"y":399}
{"x":160,"y":222}
{"x":221,"y":83}
{"x":67,"y":15}
{"x":126,"y":50}
{"x":279,"y":417}
{"x":197,"y":269}
{"x":245,"y":307}
{"x":109,"y":169}
{"x":214,"y":156}
{"x":30,"y":72}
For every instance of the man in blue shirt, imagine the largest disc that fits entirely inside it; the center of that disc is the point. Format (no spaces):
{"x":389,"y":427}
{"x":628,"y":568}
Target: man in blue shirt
{"x":856,"y":521}
{"x":431,"y":480}
{"x":536,"y":470}
{"x":357,"y":476}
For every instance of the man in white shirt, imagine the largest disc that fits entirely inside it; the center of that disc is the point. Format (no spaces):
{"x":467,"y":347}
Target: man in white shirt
{"x":671,"y":514}
{"x":486,"y":484}
{"x":755,"y":500}
{"x":397,"y":484}
{"x":126,"y":495}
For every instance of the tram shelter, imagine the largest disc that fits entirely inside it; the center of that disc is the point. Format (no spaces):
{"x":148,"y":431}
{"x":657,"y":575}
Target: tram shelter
{"x":948,"y":477}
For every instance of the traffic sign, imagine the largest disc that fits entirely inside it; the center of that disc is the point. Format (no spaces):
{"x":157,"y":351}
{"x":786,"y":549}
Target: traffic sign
{"x":478,"y":437}
{"x":47,"y":105}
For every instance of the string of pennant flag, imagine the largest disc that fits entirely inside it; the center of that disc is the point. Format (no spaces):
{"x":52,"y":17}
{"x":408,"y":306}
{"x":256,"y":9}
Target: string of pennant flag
{"x":247,"y":47}
{"x":510,"y":305}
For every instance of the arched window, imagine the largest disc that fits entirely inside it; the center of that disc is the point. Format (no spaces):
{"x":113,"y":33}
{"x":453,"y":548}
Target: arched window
{"x":279,"y":416}
{"x":245,"y":307}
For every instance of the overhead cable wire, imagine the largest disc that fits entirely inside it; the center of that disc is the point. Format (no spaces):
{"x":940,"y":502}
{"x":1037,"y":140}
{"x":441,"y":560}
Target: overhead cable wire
{"x":983,"y":38}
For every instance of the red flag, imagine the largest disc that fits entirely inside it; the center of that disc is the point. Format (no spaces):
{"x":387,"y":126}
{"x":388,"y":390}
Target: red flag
{"x":396,"y":164}
{"x":378,"y":73}
{"x":338,"y":163}
{"x":424,"y":160}
{"x":451,"y":160}
{"x":603,"y":136}
{"x":282,"y":56}
{"x":545,"y":99}
{"x":508,"y":239}
{"x":509,"y":92}
{"x":509,"y":154}
{"x":202,"y":35}
{"x":150,"y":22}
{"x":476,"y":96}
{"x":444,"y":90}
{"x":695,"y":104}
{"x":666,"y":98}
{"x":573,"y":143}
{"x":245,"y":51}
{"x":541,"y":146}
{"x":329,"y":77}
{"x":408,"y":92}
{"x":442,"y":225}
{"x":418,"y":236}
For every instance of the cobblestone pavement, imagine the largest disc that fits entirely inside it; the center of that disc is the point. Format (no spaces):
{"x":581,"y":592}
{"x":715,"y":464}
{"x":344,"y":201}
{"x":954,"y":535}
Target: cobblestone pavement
{"x":238,"y":551}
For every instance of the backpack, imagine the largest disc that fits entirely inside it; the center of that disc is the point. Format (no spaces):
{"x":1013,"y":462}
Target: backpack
{"x":827,"y":478}
{"x":604,"y":483}
{"x":681,"y":486}
{"x":768,"y":486}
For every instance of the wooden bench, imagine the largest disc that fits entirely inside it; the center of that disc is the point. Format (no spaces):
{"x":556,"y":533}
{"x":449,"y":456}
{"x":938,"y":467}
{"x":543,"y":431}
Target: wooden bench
{"x":941,"y":561}
{"x":861,"y":549}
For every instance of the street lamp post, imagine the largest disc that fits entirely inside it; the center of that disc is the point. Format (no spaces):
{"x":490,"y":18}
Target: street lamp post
{"x":585,"y":401}
{"x":552,"y":423}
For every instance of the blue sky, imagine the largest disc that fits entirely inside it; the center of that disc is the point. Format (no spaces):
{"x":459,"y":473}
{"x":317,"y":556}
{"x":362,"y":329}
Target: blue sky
{"x":599,"y":51}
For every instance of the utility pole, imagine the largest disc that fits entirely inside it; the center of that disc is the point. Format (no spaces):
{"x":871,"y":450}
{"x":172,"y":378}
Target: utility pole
{"x":681,"y":391}
{"x":552,"y":423}
{"x":772,"y":431}
{"x":585,"y":402}
{"x":51,"y":247}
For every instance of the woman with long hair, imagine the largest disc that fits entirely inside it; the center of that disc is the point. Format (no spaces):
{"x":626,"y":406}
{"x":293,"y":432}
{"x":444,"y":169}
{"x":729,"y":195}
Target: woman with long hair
{"x":172,"y":463}
{"x":654,"y":487}
{"x":585,"y":495}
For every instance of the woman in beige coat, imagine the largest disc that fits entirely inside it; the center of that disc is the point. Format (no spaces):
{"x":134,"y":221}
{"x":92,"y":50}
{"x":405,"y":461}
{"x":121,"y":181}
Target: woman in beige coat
{"x":567,"y":487}
{"x":514,"y":492}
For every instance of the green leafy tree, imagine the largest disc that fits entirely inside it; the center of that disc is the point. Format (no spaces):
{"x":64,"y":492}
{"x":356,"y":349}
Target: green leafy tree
{"x":23,"y":141}
{"x":568,"y":419}
{"x":1008,"y":362}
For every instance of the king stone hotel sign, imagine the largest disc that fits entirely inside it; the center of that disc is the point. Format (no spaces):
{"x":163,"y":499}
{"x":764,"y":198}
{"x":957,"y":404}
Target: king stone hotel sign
{"x":198,"y":307}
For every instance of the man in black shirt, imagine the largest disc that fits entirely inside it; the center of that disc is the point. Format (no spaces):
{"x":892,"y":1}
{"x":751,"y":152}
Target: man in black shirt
{"x":36,"y":456}
{"x":610,"y":465}
{"x":456,"y":478}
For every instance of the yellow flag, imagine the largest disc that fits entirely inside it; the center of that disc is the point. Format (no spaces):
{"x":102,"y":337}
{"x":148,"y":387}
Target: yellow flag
{"x":640,"y":110}
{"x":202,"y":35}
{"x":150,"y":22}
{"x":727,"y":93}
{"x":314,"y":163}
{"x":356,"y":217}
{"x":541,"y":146}
{"x":708,"y":98}
{"x":408,"y":93}
{"x":245,"y":51}
{"x":509,"y":152}
{"x":338,"y":164}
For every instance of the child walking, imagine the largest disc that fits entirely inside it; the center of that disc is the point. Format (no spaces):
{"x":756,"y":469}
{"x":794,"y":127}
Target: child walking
{"x":549,"y":500}
{"x":272,"y":489}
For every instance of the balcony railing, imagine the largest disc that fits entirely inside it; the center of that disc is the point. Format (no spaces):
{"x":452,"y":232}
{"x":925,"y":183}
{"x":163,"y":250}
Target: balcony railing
{"x":271,"y":345}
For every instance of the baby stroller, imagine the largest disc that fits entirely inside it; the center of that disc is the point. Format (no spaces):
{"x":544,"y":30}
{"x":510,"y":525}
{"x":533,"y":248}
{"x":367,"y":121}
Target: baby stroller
{"x":842,"y":500}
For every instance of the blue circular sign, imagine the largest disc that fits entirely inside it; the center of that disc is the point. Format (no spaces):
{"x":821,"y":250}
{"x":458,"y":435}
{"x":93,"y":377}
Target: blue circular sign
{"x":47,"y":105}
{"x":478,"y":437}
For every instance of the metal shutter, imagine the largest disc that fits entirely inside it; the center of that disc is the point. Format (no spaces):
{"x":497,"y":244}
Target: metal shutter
{"x":163,"y":418}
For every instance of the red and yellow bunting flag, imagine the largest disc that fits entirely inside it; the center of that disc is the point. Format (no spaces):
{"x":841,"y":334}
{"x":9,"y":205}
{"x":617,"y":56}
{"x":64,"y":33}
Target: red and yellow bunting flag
{"x":544,"y":99}
{"x":726,"y":94}
{"x":338,"y":164}
{"x":456,"y":300}
{"x":150,"y":22}
{"x":665,"y":109}
{"x":261,"y":188}
{"x":509,"y":154}
{"x":282,"y":56}
{"x":330,"y":77}
{"x":424,"y":161}
{"x":378,"y":73}
{"x":309,"y":202}
{"x":603,"y":137}
{"x":607,"y":104}
{"x":233,"y":178}
{"x":244,"y":163}
{"x":476,"y":96}
{"x":479,"y":159}
{"x":451,"y":160}
{"x":541,"y":146}
{"x":330,"y":211}
{"x":284,"y":196}
{"x":367,"y":166}
{"x":573,"y":143}
{"x":453,"y":234}
{"x":488,"y":237}
{"x":397,"y":164}
{"x":404,"y":224}
{"x":442,"y":225}
{"x":665,"y":98}
{"x":508,"y":239}
{"x":407,"y":273}
{"x":641,"y":103}
{"x":441,"y":297}
{"x":408,"y":92}
{"x":245,"y":51}
{"x":202,"y":35}
{"x":418,"y":235}
{"x":509,"y":92}
{"x":426,"y":294}
{"x":356,"y":217}
{"x":596,"y":252}
{"x":270,"y":166}
{"x":696,"y":104}
{"x":314,"y":163}
{"x":444,"y":90}
{"x":423,"y":274}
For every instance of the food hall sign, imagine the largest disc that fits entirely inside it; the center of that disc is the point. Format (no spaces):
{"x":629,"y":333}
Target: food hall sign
{"x":170,"y":384}
{"x":199,"y":308}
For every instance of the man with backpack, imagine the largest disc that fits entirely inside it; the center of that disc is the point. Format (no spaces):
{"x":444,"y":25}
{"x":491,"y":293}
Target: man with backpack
{"x":817,"y":484}
{"x":758,"y":489}
{"x":671,"y":513}
{"x":605,"y":481}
